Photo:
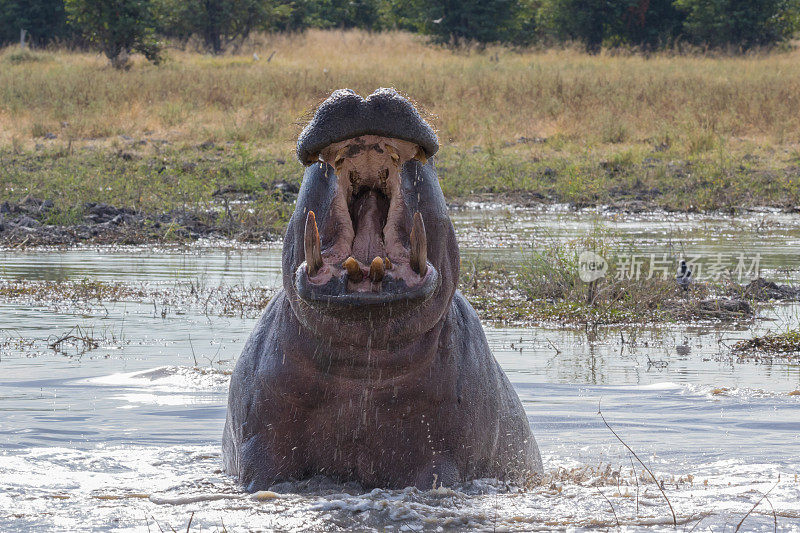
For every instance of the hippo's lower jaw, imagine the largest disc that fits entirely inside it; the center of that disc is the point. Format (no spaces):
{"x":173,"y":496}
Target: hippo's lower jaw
{"x":335,"y":294}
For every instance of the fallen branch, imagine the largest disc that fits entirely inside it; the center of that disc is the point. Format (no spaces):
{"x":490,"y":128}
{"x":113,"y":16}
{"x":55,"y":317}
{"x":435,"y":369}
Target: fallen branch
{"x":75,"y":334}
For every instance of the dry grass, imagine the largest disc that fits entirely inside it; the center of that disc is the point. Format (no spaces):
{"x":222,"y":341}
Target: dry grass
{"x":785,"y":344}
{"x":677,"y":132}
{"x":697,"y":103}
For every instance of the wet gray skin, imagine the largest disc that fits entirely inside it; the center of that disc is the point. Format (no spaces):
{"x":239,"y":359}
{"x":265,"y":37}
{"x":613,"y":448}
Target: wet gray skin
{"x":369,"y":366}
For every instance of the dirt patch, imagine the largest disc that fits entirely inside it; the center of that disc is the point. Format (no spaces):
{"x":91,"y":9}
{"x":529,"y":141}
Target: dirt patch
{"x":34,"y":221}
{"x":763,"y":290}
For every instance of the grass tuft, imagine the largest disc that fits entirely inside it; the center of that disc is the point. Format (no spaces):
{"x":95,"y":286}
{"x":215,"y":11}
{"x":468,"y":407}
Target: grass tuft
{"x":786,"y":343}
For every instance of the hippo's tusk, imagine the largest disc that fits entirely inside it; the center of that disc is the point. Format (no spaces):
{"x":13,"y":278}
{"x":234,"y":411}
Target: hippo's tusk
{"x":419,"y":246}
{"x":420,"y":155}
{"x":377,"y":270}
{"x":387,"y":262}
{"x":354,"y":273}
{"x":311,"y":245}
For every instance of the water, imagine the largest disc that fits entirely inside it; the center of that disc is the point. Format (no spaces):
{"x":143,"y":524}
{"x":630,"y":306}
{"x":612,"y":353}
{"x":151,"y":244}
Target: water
{"x":127,"y":436}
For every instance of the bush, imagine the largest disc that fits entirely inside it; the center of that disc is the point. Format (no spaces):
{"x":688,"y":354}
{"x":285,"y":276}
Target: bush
{"x":44,"y":20}
{"x":740,"y":23}
{"x":645,"y":23}
{"x":481,"y":21}
{"x":219,"y":23}
{"x":117,"y":27}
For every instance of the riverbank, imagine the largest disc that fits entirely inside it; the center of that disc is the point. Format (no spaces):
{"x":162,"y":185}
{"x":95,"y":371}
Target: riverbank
{"x":147,"y":190}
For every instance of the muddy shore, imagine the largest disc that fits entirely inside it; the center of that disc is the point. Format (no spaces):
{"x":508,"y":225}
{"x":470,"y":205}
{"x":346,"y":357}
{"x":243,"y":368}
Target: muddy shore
{"x":29,"y":222}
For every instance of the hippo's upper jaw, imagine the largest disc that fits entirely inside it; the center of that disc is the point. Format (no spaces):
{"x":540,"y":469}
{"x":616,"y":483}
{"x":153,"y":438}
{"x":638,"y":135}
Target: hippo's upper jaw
{"x":345,"y":115}
{"x":365,"y":254}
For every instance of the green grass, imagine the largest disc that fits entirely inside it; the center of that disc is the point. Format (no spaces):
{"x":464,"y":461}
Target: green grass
{"x":231,"y":184}
{"x":227,"y":188}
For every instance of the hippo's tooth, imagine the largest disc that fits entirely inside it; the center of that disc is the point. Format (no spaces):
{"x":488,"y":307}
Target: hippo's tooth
{"x":377,"y":270}
{"x":420,"y":155}
{"x":311,"y":245}
{"x":354,"y":273}
{"x":387,"y":262}
{"x":393,"y":153}
{"x":419,"y":246}
{"x":338,"y":160}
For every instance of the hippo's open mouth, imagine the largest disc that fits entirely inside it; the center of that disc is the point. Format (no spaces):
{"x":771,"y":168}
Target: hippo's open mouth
{"x":365,"y":253}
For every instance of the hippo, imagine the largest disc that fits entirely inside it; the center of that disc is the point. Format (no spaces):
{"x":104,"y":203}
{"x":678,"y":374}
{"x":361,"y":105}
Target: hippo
{"x":369,"y":365}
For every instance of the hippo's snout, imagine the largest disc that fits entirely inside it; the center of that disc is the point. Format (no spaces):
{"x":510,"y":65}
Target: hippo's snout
{"x":345,"y":115}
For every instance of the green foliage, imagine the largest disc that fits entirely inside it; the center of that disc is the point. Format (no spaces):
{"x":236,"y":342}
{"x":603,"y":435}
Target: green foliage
{"x":44,"y":20}
{"x":117,"y":27}
{"x":741,"y":23}
{"x":453,"y":22}
{"x":340,"y":13}
{"x":121,"y":26}
{"x":646,"y":23}
{"x":219,"y":23}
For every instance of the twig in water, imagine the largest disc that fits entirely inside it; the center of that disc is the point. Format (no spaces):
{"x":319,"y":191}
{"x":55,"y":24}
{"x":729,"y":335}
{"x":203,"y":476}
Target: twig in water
{"x":636,"y":479}
{"x":774,"y":515}
{"x":75,"y":334}
{"x":609,"y":504}
{"x":192,"y":347}
{"x":553,"y":346}
{"x":697,"y":523}
{"x":157,"y":524}
{"x":674,"y":518}
{"x":753,"y":508}
{"x":190,"y":522}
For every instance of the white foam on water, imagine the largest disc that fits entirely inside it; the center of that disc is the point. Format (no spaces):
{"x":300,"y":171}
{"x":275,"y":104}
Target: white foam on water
{"x":168,"y":379}
{"x":664,"y":386}
{"x":126,"y":488}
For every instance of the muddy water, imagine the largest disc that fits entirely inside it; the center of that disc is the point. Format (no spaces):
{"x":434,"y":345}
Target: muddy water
{"x":126,"y":436}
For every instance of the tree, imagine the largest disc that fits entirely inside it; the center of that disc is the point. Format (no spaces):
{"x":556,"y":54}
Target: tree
{"x":117,"y":27}
{"x":744,"y":23}
{"x":456,"y":22}
{"x":219,"y":23}
{"x":44,"y":20}
{"x":339,"y":13}
{"x":646,"y":23}
{"x":650,"y":23}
